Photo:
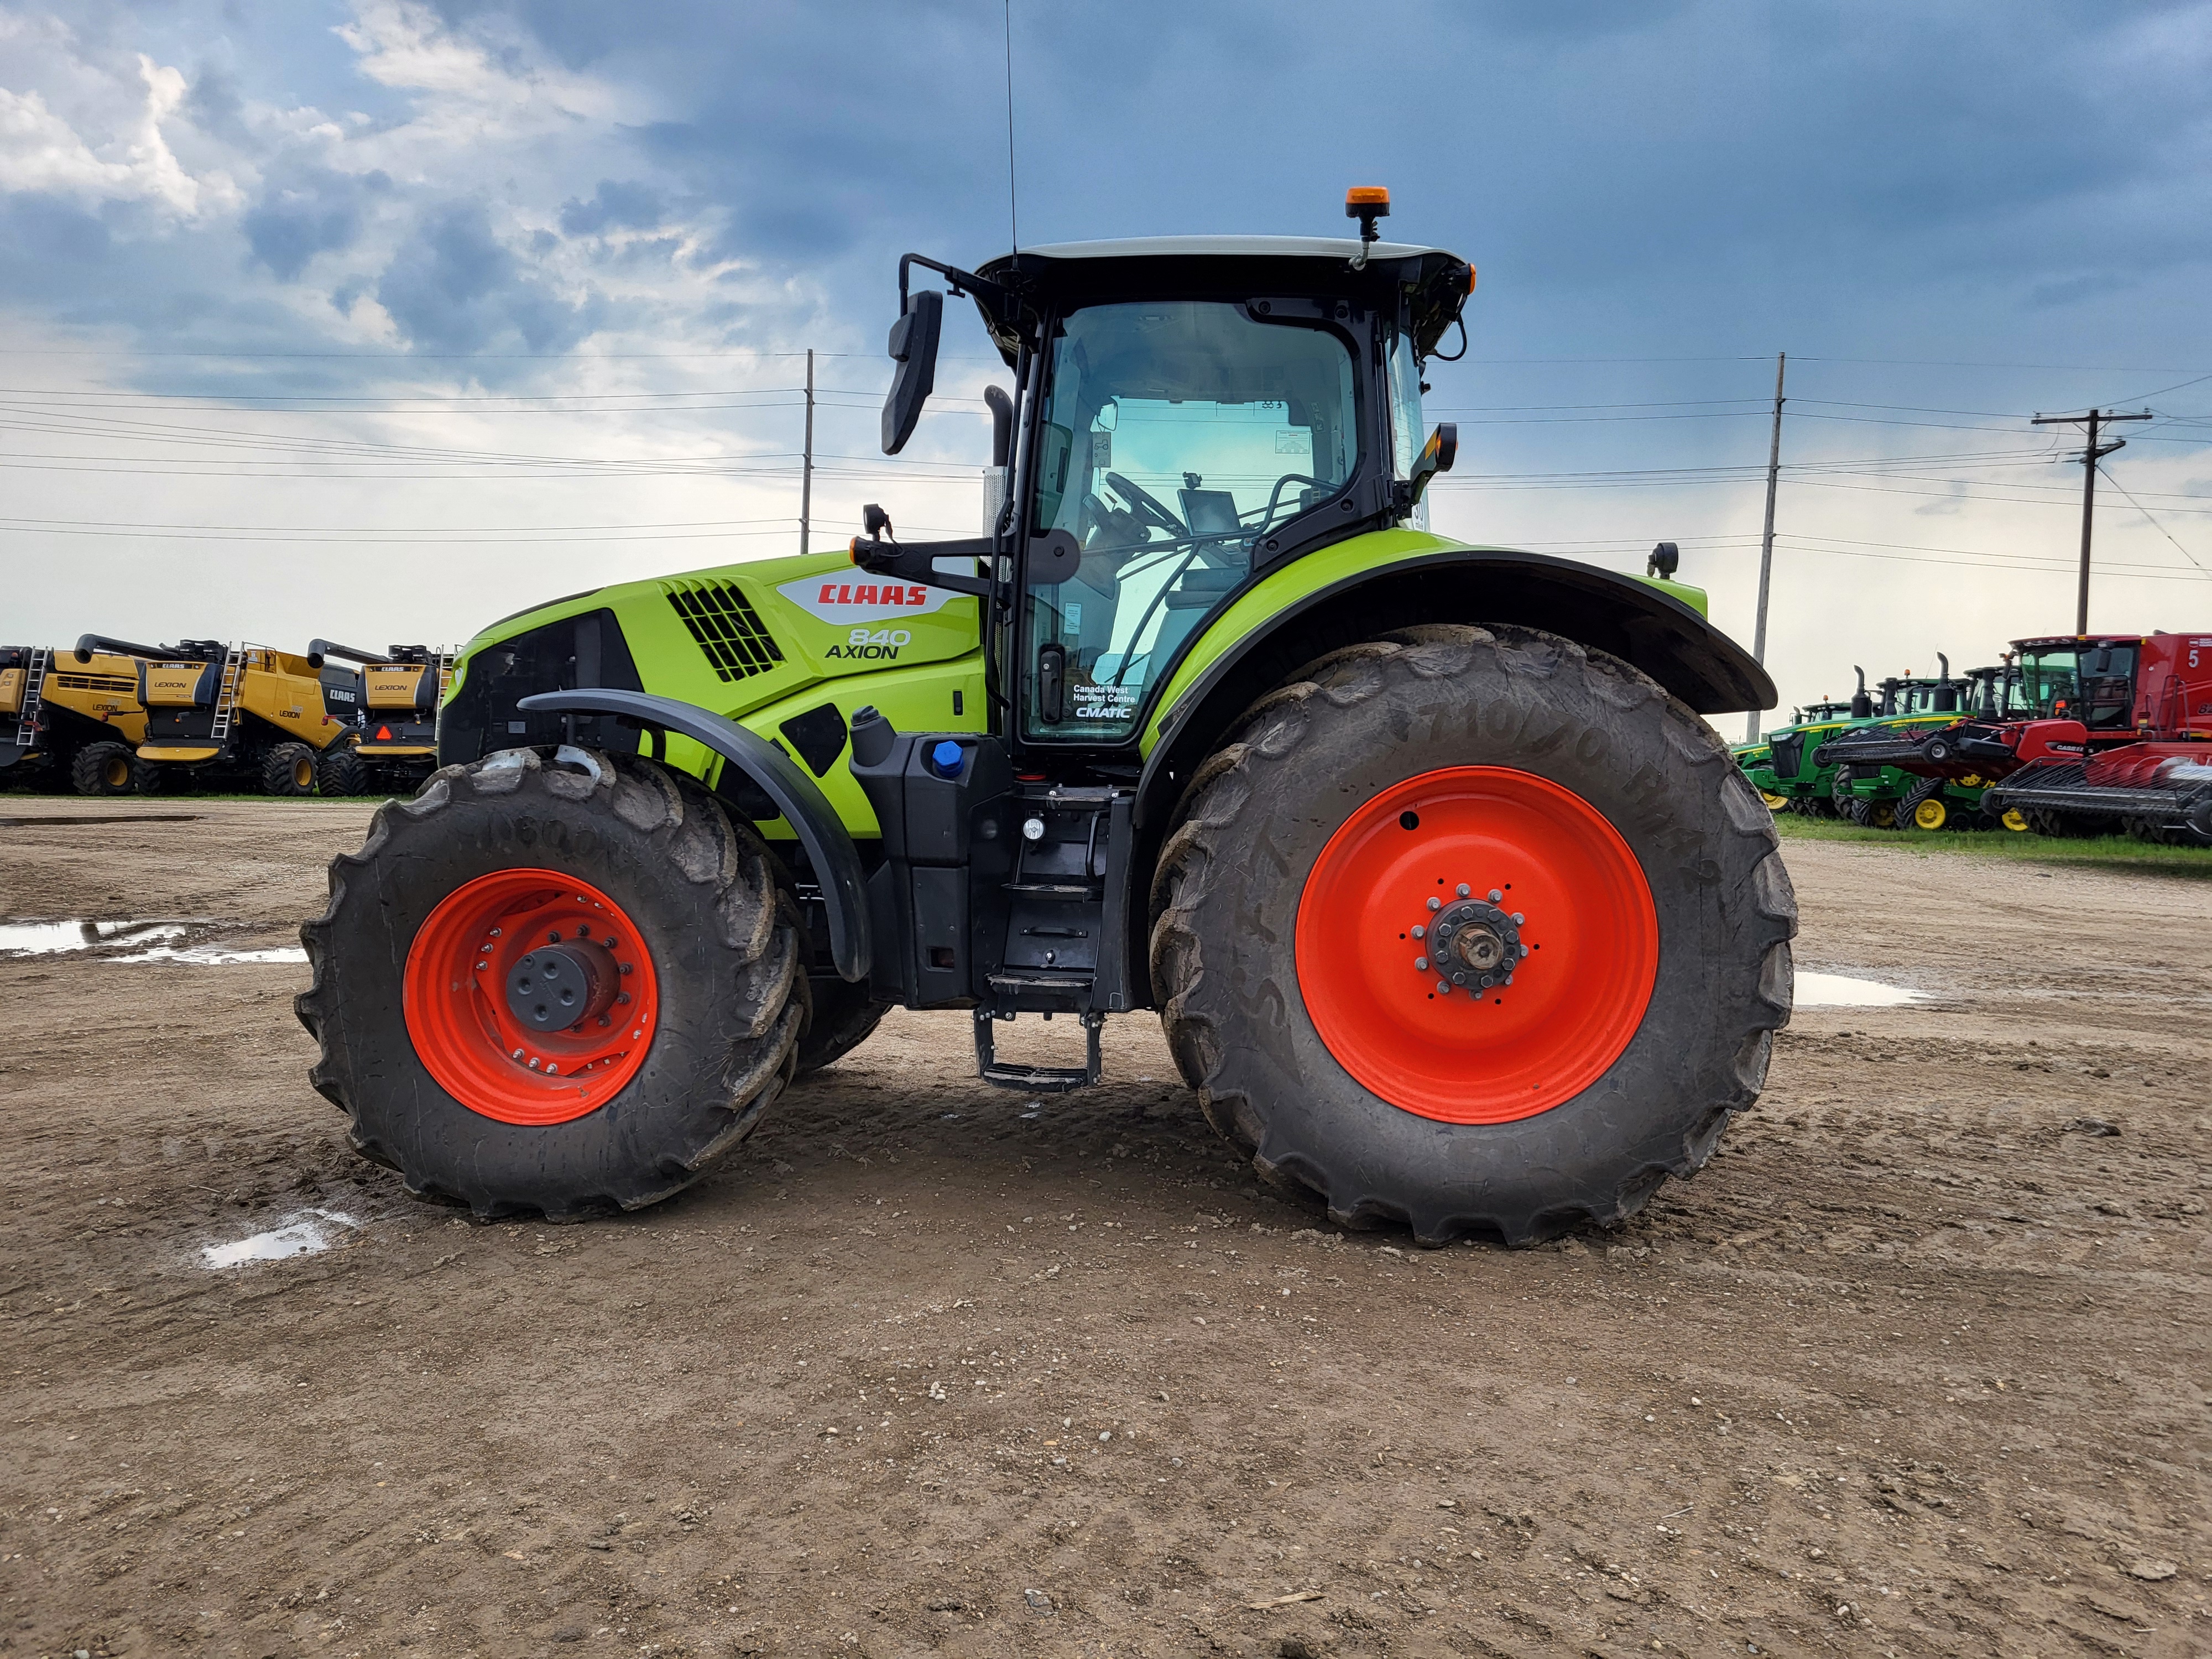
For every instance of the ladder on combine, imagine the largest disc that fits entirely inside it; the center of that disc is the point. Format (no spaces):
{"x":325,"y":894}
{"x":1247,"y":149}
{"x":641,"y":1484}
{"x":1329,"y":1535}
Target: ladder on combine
{"x":226,"y":692}
{"x":34,"y":686}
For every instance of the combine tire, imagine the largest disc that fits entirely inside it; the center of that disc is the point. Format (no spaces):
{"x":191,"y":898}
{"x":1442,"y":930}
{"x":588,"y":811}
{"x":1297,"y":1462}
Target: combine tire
{"x":1341,"y":909}
{"x":288,"y":768}
{"x":843,"y":1019}
{"x":341,"y":772}
{"x":505,"y":898}
{"x":102,"y":769}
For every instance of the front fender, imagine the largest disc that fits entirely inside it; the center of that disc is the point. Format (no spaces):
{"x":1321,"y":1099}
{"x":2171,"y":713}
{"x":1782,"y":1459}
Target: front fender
{"x":829,"y":848}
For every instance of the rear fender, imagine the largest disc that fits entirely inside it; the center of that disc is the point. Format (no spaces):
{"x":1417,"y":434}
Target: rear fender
{"x":1283,"y":623}
{"x":829,"y":847}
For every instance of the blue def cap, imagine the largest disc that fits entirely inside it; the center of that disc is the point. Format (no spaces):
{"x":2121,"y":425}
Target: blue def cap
{"x":944,"y":758}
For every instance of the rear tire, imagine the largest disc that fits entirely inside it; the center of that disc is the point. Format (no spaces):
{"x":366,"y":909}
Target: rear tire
{"x":842,"y":1020}
{"x":102,"y":769}
{"x":288,"y":768}
{"x":702,"y":898}
{"x":341,"y":772}
{"x":1533,"y":712}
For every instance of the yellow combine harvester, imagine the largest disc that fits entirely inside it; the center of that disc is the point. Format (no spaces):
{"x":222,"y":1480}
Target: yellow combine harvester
{"x":240,"y":714}
{"x":70,"y":724}
{"x":395,"y":739}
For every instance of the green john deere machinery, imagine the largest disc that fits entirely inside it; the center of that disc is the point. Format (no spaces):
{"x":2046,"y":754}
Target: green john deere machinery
{"x":1453,"y":909}
{"x":1785,"y":775}
{"x":1873,"y":795}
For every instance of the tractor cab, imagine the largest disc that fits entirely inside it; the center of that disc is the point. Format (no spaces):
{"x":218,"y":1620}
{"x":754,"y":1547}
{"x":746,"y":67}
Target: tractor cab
{"x":1191,"y":413}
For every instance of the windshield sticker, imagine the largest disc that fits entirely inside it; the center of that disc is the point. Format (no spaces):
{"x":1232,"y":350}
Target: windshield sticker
{"x":841,"y":598}
{"x":1106,"y":702}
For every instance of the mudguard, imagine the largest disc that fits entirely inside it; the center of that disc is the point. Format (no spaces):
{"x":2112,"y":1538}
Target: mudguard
{"x":829,"y":848}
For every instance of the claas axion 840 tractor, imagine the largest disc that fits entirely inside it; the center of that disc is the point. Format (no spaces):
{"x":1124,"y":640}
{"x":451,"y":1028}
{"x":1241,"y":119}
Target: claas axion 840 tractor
{"x":1453,"y":909}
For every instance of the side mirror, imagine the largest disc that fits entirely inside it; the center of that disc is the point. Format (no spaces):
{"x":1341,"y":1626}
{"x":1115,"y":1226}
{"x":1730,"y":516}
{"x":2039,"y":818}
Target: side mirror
{"x":1436,"y":456}
{"x":913,"y":351}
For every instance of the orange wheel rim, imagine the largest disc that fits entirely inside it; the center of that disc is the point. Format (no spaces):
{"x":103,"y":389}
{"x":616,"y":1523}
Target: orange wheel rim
{"x":484,"y":993}
{"x":1505,"y":876}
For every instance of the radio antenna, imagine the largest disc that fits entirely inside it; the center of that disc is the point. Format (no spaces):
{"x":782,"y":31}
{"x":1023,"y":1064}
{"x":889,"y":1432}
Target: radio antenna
{"x":1013,"y":217}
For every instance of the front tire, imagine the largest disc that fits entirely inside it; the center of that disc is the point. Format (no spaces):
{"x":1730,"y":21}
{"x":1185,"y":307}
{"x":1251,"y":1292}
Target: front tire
{"x":1636,"y":853}
{"x":288,"y":768}
{"x":462,"y":890}
{"x":99,"y":769}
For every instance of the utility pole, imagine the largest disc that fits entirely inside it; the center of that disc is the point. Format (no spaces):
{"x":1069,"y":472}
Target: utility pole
{"x":1766,"y":539}
{"x":806,"y":462}
{"x":2090,"y":456}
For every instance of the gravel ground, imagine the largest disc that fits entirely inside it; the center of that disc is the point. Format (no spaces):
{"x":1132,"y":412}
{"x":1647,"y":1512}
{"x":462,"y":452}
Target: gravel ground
{"x":1918,"y":1365}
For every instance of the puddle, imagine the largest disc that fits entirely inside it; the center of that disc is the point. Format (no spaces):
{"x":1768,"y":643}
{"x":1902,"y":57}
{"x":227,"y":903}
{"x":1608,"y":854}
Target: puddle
{"x":309,"y":1233}
{"x":41,"y":939}
{"x":143,"y":940}
{"x":214,"y":955}
{"x":1840,"y":991}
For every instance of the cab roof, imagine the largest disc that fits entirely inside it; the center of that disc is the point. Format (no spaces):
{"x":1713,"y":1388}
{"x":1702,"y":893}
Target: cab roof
{"x":1060,"y":275}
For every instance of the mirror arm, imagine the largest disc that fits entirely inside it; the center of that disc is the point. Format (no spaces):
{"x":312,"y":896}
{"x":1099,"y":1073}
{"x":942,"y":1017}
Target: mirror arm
{"x":964,"y":284}
{"x":921,"y":562}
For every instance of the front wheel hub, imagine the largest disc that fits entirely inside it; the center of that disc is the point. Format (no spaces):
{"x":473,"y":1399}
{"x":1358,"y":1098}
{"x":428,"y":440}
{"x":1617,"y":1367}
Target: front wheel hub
{"x":560,"y":987}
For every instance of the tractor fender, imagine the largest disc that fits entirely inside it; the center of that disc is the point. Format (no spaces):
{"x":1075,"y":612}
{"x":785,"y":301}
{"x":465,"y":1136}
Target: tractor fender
{"x":829,"y":847}
{"x":1631,"y":619}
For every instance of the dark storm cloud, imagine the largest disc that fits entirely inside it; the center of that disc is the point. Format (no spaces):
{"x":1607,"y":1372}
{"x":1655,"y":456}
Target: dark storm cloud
{"x":454,"y":286}
{"x":308,"y":212}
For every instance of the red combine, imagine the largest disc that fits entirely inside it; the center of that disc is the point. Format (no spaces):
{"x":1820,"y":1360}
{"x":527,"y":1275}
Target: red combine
{"x":2120,"y":736}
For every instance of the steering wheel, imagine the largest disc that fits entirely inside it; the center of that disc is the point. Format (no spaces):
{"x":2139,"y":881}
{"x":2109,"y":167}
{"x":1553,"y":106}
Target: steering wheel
{"x":1146,"y":504}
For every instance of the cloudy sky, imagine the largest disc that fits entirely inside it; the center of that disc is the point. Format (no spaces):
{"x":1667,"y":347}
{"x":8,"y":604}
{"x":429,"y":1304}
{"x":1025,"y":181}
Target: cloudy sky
{"x":380,"y":320}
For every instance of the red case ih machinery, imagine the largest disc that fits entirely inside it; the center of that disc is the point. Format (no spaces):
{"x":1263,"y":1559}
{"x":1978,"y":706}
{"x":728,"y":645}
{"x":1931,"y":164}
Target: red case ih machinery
{"x":2061,"y":703}
{"x":2142,"y":762}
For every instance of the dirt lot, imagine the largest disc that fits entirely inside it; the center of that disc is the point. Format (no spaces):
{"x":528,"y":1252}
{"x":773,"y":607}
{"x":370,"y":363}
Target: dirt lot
{"x":1918,"y":1366}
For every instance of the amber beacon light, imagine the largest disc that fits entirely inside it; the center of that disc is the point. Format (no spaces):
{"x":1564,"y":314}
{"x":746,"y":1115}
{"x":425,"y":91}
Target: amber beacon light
{"x":1367,"y":204}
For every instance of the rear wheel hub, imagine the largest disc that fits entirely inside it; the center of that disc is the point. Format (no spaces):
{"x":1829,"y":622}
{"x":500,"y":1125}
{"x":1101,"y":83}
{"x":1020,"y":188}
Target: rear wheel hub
{"x":1472,"y":944}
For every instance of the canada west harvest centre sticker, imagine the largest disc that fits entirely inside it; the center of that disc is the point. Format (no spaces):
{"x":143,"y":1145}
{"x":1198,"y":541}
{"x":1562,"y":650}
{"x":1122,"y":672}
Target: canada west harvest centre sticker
{"x":857,"y":598}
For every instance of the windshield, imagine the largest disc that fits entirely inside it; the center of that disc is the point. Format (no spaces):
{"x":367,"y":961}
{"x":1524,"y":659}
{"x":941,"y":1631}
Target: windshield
{"x":1174,"y":436}
{"x":2095,"y":684}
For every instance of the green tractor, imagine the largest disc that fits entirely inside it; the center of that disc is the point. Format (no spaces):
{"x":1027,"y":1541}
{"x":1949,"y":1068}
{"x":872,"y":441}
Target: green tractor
{"x":1787,"y":776}
{"x":1453,"y":909}
{"x":1869,"y":793}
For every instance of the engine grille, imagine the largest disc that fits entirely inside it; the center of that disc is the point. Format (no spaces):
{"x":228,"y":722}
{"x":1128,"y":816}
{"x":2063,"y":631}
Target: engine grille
{"x":728,"y":630}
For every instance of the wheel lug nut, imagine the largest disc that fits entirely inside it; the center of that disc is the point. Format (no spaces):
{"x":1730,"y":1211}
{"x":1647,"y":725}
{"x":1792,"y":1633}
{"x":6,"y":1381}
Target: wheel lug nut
{"x":1464,"y":890}
{"x":1436,"y":904}
{"x":1420,"y":964}
{"x":1495,"y":896}
{"x":1419,"y":930}
{"x":1443,"y":988}
{"x":1518,"y":918}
